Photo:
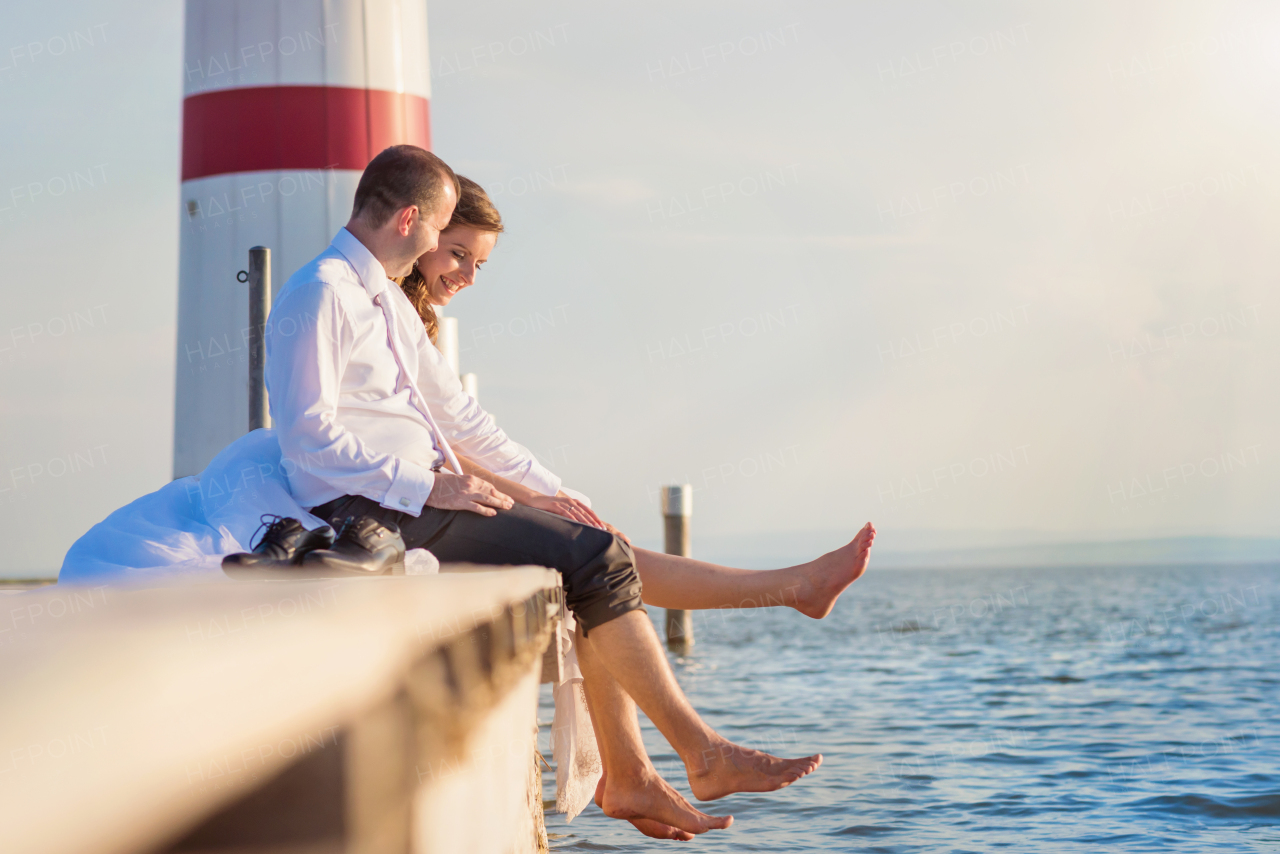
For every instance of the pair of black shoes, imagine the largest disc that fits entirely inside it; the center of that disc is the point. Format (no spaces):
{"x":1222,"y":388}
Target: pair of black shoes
{"x":363,"y":546}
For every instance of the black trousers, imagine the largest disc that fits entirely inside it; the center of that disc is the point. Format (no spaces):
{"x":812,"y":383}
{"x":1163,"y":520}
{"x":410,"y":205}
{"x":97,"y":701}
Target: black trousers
{"x":598,"y":568}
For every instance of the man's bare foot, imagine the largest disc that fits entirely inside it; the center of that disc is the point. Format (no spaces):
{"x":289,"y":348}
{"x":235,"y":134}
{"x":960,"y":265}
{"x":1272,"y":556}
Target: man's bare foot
{"x":647,"y":826}
{"x":730,"y":768}
{"x":824,"y":579}
{"x":655,"y":807}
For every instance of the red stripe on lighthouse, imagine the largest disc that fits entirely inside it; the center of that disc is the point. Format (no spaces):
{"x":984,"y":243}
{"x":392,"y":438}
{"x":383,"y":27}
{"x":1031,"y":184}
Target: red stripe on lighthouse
{"x":257,"y":129}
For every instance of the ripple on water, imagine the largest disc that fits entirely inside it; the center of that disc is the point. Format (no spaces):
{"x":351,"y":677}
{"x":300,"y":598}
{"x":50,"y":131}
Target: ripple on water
{"x":865,"y":830}
{"x":1203,"y":806}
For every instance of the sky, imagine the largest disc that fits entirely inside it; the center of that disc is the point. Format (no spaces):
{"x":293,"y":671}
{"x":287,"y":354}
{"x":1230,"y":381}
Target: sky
{"x":983,"y":273}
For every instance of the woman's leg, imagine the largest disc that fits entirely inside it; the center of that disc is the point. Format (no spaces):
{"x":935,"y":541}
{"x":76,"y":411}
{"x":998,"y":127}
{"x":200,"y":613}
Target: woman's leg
{"x":811,"y":588}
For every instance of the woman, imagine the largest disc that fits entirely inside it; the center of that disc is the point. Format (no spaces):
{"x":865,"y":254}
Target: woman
{"x":668,"y":581}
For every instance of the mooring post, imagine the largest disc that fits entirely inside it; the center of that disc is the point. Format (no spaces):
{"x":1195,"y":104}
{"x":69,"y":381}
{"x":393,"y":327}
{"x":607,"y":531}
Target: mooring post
{"x":677,"y":508}
{"x":259,"y":309}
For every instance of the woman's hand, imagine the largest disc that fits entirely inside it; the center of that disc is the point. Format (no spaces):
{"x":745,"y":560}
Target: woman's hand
{"x":572,"y":508}
{"x":569,"y":508}
{"x":617,"y":533}
{"x":506,"y":491}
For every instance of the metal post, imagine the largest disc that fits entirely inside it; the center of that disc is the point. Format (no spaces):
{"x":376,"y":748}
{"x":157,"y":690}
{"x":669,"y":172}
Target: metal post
{"x":471,"y":385}
{"x":677,"y":508}
{"x":259,"y":309}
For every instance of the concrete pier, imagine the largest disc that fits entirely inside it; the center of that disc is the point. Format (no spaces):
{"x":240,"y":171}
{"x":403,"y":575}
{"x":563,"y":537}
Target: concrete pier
{"x":365,"y":715}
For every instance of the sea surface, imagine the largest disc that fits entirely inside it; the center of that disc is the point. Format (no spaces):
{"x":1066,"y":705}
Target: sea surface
{"x":1125,"y":709}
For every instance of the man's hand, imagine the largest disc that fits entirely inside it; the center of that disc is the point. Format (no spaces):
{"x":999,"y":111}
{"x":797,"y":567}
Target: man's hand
{"x":569,"y":508}
{"x":464,"y":492}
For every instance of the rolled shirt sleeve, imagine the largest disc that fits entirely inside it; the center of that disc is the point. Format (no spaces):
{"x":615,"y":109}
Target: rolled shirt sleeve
{"x":309,"y":342}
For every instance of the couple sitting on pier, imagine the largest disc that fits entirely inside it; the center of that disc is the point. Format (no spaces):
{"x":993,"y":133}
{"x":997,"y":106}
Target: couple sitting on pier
{"x":380,"y":440}
{"x":370,"y":413}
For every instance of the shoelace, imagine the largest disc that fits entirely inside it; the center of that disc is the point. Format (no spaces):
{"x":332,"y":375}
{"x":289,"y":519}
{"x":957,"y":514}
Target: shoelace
{"x":273,"y":527}
{"x":342,"y":529}
{"x":350,"y":523}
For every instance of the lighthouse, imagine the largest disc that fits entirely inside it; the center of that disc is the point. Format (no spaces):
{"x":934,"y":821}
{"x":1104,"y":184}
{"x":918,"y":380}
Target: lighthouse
{"x":285,"y":102}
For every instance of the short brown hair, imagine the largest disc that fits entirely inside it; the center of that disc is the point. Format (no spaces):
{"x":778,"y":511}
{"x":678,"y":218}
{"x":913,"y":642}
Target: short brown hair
{"x":475,"y":210}
{"x":398,"y":177}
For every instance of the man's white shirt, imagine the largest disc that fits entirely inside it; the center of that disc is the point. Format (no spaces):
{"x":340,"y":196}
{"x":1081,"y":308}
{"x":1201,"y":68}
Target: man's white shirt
{"x":345,"y":412}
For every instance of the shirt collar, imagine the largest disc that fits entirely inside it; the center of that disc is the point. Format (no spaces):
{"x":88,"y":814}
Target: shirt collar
{"x":370,"y":270}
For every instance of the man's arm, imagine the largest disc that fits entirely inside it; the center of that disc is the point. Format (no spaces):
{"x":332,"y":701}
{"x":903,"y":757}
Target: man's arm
{"x":309,"y":341}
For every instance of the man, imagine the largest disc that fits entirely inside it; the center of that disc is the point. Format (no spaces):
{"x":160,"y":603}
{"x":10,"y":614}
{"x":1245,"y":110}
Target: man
{"x":345,"y":350}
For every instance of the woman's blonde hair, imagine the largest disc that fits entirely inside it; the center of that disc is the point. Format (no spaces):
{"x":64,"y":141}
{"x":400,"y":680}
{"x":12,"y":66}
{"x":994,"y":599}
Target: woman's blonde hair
{"x":475,"y":210}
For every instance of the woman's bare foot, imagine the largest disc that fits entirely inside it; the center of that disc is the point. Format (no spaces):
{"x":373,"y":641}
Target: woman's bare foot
{"x":649,"y":797}
{"x":824,"y":579}
{"x":730,"y":768}
{"x":647,"y":826}
{"x":658,"y":830}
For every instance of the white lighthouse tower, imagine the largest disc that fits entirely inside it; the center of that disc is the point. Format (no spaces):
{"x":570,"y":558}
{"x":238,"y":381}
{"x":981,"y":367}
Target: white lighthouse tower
{"x":285,"y":102}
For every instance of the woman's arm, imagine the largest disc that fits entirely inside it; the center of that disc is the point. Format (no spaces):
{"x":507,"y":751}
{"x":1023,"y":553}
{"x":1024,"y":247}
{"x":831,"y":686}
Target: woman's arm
{"x":560,"y":504}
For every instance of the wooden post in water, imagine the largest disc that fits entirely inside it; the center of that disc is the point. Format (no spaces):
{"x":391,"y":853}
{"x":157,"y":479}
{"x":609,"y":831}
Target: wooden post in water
{"x":259,"y":309}
{"x":677,"y":508}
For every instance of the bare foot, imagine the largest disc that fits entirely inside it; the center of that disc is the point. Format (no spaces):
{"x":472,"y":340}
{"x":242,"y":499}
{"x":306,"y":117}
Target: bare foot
{"x":827,"y":577}
{"x":655,"y":808}
{"x":730,"y":768}
{"x":647,"y":826}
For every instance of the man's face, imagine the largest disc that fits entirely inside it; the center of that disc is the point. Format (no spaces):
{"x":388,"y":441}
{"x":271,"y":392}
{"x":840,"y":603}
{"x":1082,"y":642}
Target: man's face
{"x":426,"y":233}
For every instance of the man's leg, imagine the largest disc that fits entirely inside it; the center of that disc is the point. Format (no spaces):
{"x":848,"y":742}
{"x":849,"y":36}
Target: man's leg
{"x":631,"y":788}
{"x":629,"y":649}
{"x":812,"y":588}
{"x":603,"y":590}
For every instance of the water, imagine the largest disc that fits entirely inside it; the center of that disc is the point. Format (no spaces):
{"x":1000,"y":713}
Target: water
{"x":1021,"y":710}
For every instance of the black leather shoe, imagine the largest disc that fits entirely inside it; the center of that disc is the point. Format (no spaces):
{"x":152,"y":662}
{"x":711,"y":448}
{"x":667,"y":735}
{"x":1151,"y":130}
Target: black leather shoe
{"x":282,"y":545}
{"x":365,"y":546}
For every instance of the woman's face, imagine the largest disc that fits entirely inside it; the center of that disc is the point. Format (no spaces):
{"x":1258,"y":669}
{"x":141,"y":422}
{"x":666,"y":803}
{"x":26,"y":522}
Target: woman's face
{"x":454,"y":265}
